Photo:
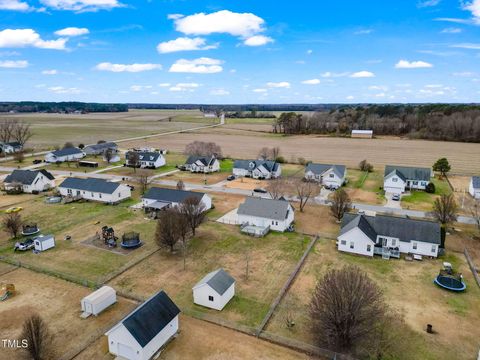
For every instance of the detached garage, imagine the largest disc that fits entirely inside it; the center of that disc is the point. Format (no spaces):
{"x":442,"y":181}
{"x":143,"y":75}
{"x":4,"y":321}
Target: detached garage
{"x":98,"y":301}
{"x":215,"y":290}
{"x":44,"y":242}
{"x":146,"y":330}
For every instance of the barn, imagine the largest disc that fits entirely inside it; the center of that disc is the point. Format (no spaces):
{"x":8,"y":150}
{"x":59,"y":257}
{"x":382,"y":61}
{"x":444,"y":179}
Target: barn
{"x":98,"y":301}
{"x":362,"y":134}
{"x":44,"y":242}
{"x":215,"y":290}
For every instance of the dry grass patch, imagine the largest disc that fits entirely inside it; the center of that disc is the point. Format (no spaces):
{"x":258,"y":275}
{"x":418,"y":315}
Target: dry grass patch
{"x":316,"y":219}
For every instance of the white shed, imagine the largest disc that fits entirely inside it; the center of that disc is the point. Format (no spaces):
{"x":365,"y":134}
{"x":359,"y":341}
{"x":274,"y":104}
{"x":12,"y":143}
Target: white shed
{"x":215,"y":290}
{"x":98,"y":301}
{"x":44,"y":242}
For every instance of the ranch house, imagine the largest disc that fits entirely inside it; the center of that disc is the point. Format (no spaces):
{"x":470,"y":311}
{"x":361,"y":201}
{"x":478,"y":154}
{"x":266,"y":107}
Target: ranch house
{"x":30,"y":180}
{"x":215,"y":290}
{"x":257,"y":169}
{"x":157,"y":199}
{"x":11,"y":147}
{"x":328,"y":175}
{"x":474,"y":187}
{"x":388,"y":236}
{"x":202,"y":164}
{"x":94,"y":189}
{"x":146,"y":159}
{"x":398,"y":179}
{"x":63,"y":155}
{"x":99,"y":149}
{"x":143,"y":332}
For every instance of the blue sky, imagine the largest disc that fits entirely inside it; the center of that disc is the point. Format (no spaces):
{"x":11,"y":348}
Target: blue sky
{"x":194,"y":51}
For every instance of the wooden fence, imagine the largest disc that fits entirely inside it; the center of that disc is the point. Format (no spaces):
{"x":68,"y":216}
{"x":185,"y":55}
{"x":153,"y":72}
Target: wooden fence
{"x":472,"y":266}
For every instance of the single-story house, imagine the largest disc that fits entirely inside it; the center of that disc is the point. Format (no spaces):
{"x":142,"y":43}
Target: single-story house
{"x":257,"y":169}
{"x":259,"y":215}
{"x":397,"y":179}
{"x":202,"y":164}
{"x":362,"y":134}
{"x":143,"y":332}
{"x":44,"y":242}
{"x":215,"y":290}
{"x":98,"y":301}
{"x":327,"y":175}
{"x":11,"y":147}
{"x":99,"y":149}
{"x":30,"y":180}
{"x":156,"y":199}
{"x":67,"y":154}
{"x":474,"y":188}
{"x":388,"y":236}
{"x":94,"y":189}
{"x":146,"y":159}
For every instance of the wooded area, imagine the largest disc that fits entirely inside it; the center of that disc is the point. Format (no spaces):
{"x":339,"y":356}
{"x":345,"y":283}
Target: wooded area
{"x":56,"y":107}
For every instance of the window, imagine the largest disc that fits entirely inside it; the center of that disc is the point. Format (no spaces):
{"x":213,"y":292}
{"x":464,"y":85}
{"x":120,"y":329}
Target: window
{"x":331,"y":176}
{"x":394,"y":179}
{"x":100,"y":196}
{"x":434,"y":248}
{"x":415,"y":183}
{"x":273,"y":222}
{"x":276,"y":222}
{"x":394,"y":242}
{"x":210,"y":298}
{"x":343,"y":242}
{"x":414,"y":246}
{"x":369,"y":248}
{"x":384,"y":241}
{"x":69,"y":191}
{"x":119,"y":194}
{"x":352,"y":245}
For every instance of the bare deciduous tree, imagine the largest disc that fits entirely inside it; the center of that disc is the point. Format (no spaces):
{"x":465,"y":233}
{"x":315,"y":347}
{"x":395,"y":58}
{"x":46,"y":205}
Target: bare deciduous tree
{"x":345,"y":309}
{"x":144,"y":180}
{"x":68,"y":145}
{"x":341,"y":204}
{"x":12,"y":223}
{"x":365,"y":166}
{"x":19,"y":156}
{"x":194,"y":210}
{"x":445,"y":209}
{"x":183,"y":231}
{"x":38,"y":338}
{"x":180,"y":185}
{"x":276,"y":188}
{"x":167,"y":231}
{"x":200,"y":148}
{"x":21,"y":132}
{"x":133,"y":160}
{"x":264,"y":153}
{"x":6,"y":129}
{"x":305,"y":190}
{"x":108,"y":155}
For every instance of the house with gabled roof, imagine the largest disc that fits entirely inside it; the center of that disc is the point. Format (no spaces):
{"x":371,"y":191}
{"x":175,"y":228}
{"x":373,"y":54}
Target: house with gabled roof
{"x":398,"y":179}
{"x":11,"y":147}
{"x":202,"y":164}
{"x":257,"y":169}
{"x":94,"y":189}
{"x":327,"y":175}
{"x":99,"y":149}
{"x":388,"y":236}
{"x":146,"y":159}
{"x":156,"y":198}
{"x":146,"y":330}
{"x":215,"y":290}
{"x":29,"y":180}
{"x":474,"y":187}
{"x":64,"y":155}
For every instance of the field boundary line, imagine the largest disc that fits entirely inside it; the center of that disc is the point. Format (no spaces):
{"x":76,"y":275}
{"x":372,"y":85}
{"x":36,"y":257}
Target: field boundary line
{"x":10,"y":270}
{"x":285,"y":287}
{"x":472,"y":266}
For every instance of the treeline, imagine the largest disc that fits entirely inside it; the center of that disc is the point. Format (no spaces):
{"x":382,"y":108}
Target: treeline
{"x":432,"y":122}
{"x":249,"y":115}
{"x":236,"y":107}
{"x":60,"y":107}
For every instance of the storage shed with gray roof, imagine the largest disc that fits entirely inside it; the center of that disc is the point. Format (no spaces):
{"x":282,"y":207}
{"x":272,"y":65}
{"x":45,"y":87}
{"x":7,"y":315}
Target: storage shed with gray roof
{"x":215,"y":290}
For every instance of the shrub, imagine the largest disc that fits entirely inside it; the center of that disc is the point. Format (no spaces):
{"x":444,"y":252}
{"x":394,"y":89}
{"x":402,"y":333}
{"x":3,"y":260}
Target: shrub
{"x":430,"y":188}
{"x":280,"y":159}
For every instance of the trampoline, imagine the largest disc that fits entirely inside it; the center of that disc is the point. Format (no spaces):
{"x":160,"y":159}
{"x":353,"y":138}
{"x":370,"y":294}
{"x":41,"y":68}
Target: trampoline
{"x":131,"y":240}
{"x":452,"y":283}
{"x":30,"y":229}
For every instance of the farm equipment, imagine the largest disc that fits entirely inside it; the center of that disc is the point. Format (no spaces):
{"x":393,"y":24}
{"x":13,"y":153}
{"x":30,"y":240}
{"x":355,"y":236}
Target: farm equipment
{"x":108,"y":236}
{"x":6,"y":291}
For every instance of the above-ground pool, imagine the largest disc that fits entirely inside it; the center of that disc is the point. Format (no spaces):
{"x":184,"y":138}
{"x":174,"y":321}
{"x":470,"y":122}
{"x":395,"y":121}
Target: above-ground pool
{"x":53,"y":199}
{"x":450,"y":283}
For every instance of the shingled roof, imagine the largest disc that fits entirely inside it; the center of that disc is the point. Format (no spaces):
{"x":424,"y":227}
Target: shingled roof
{"x":219,"y":280}
{"x":205,"y":160}
{"x":90,"y":184}
{"x":67,"y":152}
{"x":253,"y":164}
{"x":146,"y":155}
{"x":26,"y":177}
{"x":476,"y":182}
{"x":264,"y":208}
{"x":319,"y":169}
{"x":170,"y":195}
{"x":409,"y":173}
{"x":102,"y":146}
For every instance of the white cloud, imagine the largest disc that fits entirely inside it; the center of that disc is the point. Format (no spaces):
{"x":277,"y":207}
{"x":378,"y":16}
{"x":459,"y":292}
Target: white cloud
{"x":451,"y":30}
{"x":106,"y":66}
{"x":309,"y":52}
{"x":15,"y":5}
{"x":174,"y":16}
{"x":362,"y":74}
{"x":464,"y":74}
{"x":82,"y":5}
{"x":259,"y":90}
{"x":257,"y":40}
{"x":219,"y":92}
{"x":201,"y":65}
{"x":405,"y":64}
{"x":311,"y":82}
{"x":63,"y":90}
{"x":226,"y":22}
{"x":185,"y":87}
{"x":455,"y":20}
{"x":329,"y":74}
{"x":72,"y":31}
{"x":14,"y":64}
{"x":50,"y":72}
{"x":363,"y":32}
{"x":18,"y":38}
{"x":279,"y":85}
{"x":184,"y":44}
{"x":164,"y":85}
{"x":428,"y":3}
{"x":474,"y":8}
{"x":469,"y":46}
{"x":350,"y":97}
{"x":378,"y":87}
{"x":138,"y":88}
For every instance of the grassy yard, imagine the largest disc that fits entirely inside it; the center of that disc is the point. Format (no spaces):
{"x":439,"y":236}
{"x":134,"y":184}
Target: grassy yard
{"x":216,"y":245}
{"x":421,"y":200}
{"x":365,"y":187}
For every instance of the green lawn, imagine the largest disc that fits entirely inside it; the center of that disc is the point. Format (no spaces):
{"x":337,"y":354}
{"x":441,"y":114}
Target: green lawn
{"x":422,"y":200}
{"x":226,"y":165}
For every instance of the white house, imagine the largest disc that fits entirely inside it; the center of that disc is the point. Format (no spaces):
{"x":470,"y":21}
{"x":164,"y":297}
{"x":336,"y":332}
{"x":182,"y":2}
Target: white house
{"x":215,"y":290}
{"x":202,"y":164}
{"x":474,"y":188}
{"x":327,"y":175}
{"x":98,"y":301}
{"x":94,"y":189}
{"x":142,"y":333}
{"x":44,"y":242}
{"x":388,"y":236}
{"x":397,"y":179}
{"x":257,"y":169}
{"x":63,"y":155}
{"x":99,"y":149}
{"x":11,"y":147}
{"x":146,"y":159}
{"x":156,"y":199}
{"x":30,"y":180}
{"x":265,"y":214}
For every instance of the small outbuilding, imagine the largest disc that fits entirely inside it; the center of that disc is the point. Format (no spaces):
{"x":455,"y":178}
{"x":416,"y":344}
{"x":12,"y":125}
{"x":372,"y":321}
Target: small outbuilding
{"x":44,"y":242}
{"x":362,"y":134}
{"x":215,"y":290}
{"x":98,"y":301}
{"x":147,"y":329}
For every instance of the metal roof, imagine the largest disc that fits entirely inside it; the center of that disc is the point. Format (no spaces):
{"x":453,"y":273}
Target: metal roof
{"x":264,"y":208}
{"x":219,"y":280}
{"x":170,"y":195}
{"x":409,"y":173}
{"x":322,"y":168}
{"x":90,"y":184}
{"x":26,"y":177}
{"x":43,"y":238}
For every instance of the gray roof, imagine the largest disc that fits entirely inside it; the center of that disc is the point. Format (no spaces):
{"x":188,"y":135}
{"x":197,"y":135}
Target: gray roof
{"x":219,"y":280}
{"x":404,"y":229}
{"x":102,"y":146}
{"x":146,"y":155}
{"x":14,"y":144}
{"x":170,"y":195}
{"x":321,"y":168}
{"x":253,"y":164}
{"x":207,"y":161}
{"x":90,"y":184}
{"x":476,"y":182}
{"x":43,"y":238}
{"x":409,"y":173}
{"x":66,"y":152}
{"x":26,"y":177}
{"x":265,"y":208}
{"x":147,"y":320}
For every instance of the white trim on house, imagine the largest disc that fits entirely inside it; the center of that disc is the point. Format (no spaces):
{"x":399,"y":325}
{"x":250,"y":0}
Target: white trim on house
{"x":473,"y":189}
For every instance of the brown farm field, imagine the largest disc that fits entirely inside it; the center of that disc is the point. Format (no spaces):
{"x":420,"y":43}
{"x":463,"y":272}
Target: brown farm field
{"x":246,"y":144}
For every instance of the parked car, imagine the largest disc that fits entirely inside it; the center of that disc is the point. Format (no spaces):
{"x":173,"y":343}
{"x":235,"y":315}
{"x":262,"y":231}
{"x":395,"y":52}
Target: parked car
{"x":14,"y":209}
{"x":24,"y":246}
{"x":231,"y":178}
{"x":260,"y":190}
{"x":396,"y":197}
{"x":37,"y":161}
